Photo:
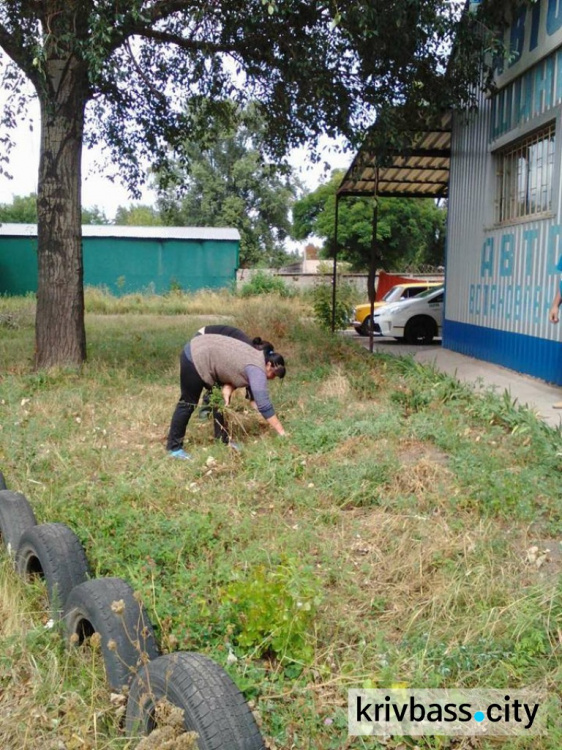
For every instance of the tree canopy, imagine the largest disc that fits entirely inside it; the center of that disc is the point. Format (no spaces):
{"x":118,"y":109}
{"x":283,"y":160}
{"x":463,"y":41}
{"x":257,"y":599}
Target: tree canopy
{"x":138,"y":216}
{"x":144,"y":76}
{"x":231,"y":183}
{"x":23,"y":210}
{"x":410,"y":231}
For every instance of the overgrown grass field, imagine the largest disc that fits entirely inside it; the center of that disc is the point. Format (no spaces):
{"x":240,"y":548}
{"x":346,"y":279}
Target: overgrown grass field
{"x":398,"y":536}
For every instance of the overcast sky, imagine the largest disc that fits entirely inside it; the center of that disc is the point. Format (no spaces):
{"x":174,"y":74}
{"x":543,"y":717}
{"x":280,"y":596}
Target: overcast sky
{"x":98,"y":190}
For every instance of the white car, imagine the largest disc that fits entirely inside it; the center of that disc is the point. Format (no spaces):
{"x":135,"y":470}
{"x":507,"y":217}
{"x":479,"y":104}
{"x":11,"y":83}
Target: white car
{"x":418,"y":320}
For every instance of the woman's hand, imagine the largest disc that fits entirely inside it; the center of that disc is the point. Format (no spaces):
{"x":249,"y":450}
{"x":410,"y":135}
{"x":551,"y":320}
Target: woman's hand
{"x":277,"y":426}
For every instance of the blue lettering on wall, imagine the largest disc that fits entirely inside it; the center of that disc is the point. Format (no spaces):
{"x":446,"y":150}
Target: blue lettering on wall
{"x":497,"y":296}
{"x":553,"y":17}
{"x":535,"y":23}
{"x":535,"y":91}
{"x":487,"y":260}
{"x":537,"y":305}
{"x":493,"y":298}
{"x":514,"y":302}
{"x":553,"y":249}
{"x":506,"y":255}
{"x":530,"y":239}
{"x":517,"y":38}
{"x":508,"y":301}
{"x":544,"y":77}
{"x":486,"y":291}
{"x":517,"y":302}
{"x":558,"y":90}
{"x":526,"y":302}
{"x":477,"y":298}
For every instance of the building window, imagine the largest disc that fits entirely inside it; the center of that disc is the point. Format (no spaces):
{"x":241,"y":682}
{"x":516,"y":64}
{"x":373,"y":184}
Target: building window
{"x":525,"y":176}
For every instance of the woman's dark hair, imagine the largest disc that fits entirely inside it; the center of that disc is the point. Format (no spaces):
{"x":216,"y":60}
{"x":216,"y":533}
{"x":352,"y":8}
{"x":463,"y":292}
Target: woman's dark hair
{"x":278,"y":363}
{"x":263,"y":346}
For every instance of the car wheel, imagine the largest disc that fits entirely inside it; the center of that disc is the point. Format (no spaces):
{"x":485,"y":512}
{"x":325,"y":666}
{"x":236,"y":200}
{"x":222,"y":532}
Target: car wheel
{"x":212,"y":705}
{"x":366,"y":326}
{"x":420,"y":331}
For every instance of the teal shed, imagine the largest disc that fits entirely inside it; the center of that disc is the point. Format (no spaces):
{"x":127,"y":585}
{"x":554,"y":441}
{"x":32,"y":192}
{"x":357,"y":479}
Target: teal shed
{"x":126,"y":259}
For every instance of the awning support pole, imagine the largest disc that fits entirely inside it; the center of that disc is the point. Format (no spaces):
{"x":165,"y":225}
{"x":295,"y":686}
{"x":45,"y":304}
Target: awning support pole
{"x":335,"y":268}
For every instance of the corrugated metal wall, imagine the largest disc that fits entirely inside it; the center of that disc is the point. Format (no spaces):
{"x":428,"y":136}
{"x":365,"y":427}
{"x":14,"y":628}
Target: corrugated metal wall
{"x":501,"y":279}
{"x":123,"y":265}
{"x":136,"y":265}
{"x":18,"y":265}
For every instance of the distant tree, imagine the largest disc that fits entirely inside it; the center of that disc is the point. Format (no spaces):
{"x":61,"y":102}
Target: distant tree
{"x":138,"y":216}
{"x":230,"y":183}
{"x":22,"y":210}
{"x":410,"y":231}
{"x":94,"y":215}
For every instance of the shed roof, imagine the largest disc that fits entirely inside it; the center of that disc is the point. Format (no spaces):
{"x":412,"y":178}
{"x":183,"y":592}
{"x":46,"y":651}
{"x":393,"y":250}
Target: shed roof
{"x":110,"y":230}
{"x":419,"y":171}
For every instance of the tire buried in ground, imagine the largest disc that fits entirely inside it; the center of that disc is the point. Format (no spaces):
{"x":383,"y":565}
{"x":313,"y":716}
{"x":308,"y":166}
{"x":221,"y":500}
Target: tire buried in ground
{"x":54,"y":552}
{"x":108,"y":607}
{"x":16,"y":516}
{"x":213,"y":707}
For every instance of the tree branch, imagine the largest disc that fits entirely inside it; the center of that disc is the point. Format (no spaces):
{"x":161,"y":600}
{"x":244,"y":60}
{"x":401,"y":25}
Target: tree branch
{"x":165,"y":8}
{"x":18,"y":54}
{"x":141,"y":74}
{"x":190,"y":45}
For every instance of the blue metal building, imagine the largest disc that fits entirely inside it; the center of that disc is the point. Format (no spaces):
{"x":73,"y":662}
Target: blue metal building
{"x":505,"y":209}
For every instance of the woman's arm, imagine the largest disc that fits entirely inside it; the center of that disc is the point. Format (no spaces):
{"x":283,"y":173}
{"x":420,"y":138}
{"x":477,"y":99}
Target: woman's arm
{"x":258,"y":384}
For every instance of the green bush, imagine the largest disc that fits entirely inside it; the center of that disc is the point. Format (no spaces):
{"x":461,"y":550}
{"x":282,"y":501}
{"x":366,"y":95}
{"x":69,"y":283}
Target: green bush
{"x":322,"y":303}
{"x":264,"y":283}
{"x":274,"y":608}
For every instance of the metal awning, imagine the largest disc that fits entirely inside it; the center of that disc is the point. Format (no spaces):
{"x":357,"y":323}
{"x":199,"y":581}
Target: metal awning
{"x":421,"y":170}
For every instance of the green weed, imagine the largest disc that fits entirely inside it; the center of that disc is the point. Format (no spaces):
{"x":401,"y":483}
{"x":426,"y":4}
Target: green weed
{"x":274,"y":608}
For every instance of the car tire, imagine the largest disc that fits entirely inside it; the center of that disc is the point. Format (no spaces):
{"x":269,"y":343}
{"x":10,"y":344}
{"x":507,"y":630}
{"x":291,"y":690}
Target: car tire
{"x":366,"y":326}
{"x":420,"y":330}
{"x":54,"y":552}
{"x":16,"y":516}
{"x":213,"y":707}
{"x":108,"y":607}
{"x":2,"y":482}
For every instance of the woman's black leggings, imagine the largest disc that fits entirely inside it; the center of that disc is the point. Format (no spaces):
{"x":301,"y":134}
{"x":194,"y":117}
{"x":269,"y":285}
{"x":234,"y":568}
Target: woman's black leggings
{"x":191,"y":386}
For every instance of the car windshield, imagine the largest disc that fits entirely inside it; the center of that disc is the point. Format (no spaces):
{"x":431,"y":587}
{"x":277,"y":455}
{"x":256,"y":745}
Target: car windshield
{"x":429,"y":292}
{"x":393,"y":294}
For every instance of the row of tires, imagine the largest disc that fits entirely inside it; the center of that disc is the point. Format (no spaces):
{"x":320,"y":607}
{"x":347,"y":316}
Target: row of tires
{"x":212,"y":705}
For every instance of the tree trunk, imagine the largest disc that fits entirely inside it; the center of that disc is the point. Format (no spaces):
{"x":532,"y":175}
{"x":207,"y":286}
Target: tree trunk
{"x":60,"y":336}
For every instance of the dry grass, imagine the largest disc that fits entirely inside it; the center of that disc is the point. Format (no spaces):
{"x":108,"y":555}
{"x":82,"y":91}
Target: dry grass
{"x":37,"y":709}
{"x":336,"y":386}
{"x":400,"y":512}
